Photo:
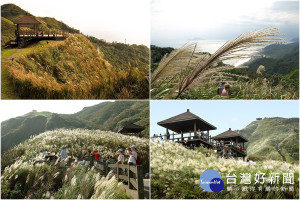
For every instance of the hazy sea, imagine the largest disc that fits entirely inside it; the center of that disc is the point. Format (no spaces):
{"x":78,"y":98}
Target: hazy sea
{"x":211,"y":46}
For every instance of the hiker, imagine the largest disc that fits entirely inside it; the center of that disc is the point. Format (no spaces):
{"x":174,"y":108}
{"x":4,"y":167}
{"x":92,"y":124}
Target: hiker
{"x":111,"y":160}
{"x":96,"y":154}
{"x":220,"y":87}
{"x":225,"y":91}
{"x":134,"y":159}
{"x":63,"y":154}
{"x":160,"y":137}
{"x":121,"y":158}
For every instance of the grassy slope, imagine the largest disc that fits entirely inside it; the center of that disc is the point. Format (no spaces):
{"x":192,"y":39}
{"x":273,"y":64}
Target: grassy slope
{"x":265,"y":134}
{"x":20,"y":178}
{"x":64,"y":69}
{"x":175,"y":174}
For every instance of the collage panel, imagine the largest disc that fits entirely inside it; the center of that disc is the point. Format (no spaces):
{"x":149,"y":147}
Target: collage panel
{"x":224,"y":49}
{"x":95,"y":49}
{"x":75,"y":149}
{"x":224,"y":149}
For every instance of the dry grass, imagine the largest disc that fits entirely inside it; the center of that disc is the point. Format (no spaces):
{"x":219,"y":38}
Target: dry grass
{"x":192,"y":71}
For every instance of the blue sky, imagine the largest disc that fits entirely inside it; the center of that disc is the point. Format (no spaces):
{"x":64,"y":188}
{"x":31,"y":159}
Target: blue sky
{"x":223,"y":114}
{"x":178,"y":21}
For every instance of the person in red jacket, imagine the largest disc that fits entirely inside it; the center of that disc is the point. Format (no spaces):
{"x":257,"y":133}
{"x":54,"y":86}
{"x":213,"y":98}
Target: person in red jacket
{"x":96,"y":155}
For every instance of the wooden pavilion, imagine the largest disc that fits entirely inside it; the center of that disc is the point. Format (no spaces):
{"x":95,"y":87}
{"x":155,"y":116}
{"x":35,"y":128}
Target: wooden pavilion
{"x":28,"y":32}
{"x":131,"y":129}
{"x":188,"y":129}
{"x":231,"y":143}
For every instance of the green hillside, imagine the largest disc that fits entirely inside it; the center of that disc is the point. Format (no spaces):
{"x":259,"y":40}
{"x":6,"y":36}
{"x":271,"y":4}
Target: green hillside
{"x":7,"y":31}
{"x":110,"y":116}
{"x":122,"y":55}
{"x":281,"y":59}
{"x":16,"y":130}
{"x":265,"y":134}
{"x":114,"y":115}
{"x":156,"y":55}
{"x":26,"y":175}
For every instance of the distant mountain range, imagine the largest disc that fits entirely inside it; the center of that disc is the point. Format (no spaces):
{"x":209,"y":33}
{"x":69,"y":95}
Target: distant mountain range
{"x":104,"y":116}
{"x":264,"y":134}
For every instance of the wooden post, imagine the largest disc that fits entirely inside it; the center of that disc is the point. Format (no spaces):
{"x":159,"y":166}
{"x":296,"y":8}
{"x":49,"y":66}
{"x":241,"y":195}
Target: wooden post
{"x":118,"y":171}
{"x":140,"y":181}
{"x":182,"y":136}
{"x":244,"y":146}
{"x":92,"y":161}
{"x":208,"y":136}
{"x":130,"y":175}
{"x":173,"y":137}
{"x":195,"y":129}
{"x":106,"y":168}
{"x":190,"y":134}
{"x":167,"y":134}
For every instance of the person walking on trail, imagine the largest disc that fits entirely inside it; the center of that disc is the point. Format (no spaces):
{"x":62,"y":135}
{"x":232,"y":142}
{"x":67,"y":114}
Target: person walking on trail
{"x":63,"y":154}
{"x":225,"y":91}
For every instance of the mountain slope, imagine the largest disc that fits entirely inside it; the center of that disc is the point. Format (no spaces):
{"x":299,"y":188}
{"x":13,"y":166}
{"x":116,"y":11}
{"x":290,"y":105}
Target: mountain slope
{"x":114,"y":115}
{"x":16,"y":130}
{"x":110,"y":116}
{"x":282,"y":59}
{"x":265,"y":134}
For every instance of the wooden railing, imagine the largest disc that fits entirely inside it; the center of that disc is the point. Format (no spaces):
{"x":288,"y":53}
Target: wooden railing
{"x":182,"y":137}
{"x":30,"y":33}
{"x":134,"y":176}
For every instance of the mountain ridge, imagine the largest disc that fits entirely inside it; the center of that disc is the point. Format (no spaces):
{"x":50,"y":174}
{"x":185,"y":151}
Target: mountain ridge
{"x":114,"y":114}
{"x":264,"y":134}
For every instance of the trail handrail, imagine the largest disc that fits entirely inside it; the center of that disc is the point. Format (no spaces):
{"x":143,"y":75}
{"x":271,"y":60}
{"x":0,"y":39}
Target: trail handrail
{"x":134,"y":175}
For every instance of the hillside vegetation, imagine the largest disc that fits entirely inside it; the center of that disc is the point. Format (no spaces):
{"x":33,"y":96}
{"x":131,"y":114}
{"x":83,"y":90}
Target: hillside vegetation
{"x":263,"y":135}
{"x":122,"y":55}
{"x":282,"y":59}
{"x":176,"y":170}
{"x":114,"y":115}
{"x":21,"y":178}
{"x":110,"y":116}
{"x":7,"y":31}
{"x":72,"y":69}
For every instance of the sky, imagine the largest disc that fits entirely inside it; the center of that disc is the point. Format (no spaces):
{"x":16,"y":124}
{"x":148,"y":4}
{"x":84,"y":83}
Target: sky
{"x":112,"y":20}
{"x":223,"y":114}
{"x":173,"y":23}
{"x":15,"y":108}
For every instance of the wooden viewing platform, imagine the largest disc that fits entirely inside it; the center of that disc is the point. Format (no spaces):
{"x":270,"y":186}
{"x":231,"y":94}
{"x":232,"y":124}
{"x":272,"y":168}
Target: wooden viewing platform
{"x":31,"y":33}
{"x":227,"y":144}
